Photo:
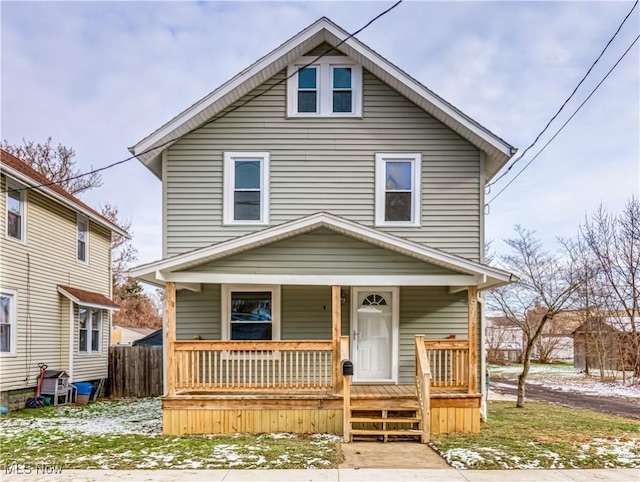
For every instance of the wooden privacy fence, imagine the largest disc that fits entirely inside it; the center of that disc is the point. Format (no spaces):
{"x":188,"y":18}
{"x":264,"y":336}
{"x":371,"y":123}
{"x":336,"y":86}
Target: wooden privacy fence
{"x":135,"y":371}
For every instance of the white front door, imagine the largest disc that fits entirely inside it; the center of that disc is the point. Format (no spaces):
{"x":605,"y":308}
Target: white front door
{"x":374,"y":334}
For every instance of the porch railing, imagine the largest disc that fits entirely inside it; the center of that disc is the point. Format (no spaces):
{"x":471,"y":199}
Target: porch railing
{"x":423,"y":388}
{"x":253,"y":365}
{"x":449,"y":363}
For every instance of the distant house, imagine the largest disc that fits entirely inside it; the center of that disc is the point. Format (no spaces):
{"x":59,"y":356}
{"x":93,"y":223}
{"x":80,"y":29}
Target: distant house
{"x":126,"y":335}
{"x":503,"y":341}
{"x":55,"y":282}
{"x":152,"y":339}
{"x":607,"y":342}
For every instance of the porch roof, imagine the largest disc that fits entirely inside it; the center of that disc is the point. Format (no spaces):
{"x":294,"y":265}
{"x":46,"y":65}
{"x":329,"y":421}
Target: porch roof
{"x":88,"y":298}
{"x":469,"y":272}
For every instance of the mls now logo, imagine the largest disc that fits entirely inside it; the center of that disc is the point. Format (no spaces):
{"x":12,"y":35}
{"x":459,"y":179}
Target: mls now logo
{"x":27,"y":469}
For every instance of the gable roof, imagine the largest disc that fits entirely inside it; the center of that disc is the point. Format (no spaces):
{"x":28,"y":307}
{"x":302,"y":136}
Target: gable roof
{"x":488,"y":276}
{"x":25,"y":174}
{"x":149,"y":149}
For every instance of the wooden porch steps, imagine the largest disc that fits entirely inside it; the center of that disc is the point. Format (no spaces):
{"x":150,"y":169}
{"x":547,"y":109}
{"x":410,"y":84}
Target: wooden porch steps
{"x":389,"y":423}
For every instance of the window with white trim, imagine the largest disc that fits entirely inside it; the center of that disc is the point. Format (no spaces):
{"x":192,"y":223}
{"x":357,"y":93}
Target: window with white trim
{"x":398,"y":189}
{"x":90,"y":334}
{"x":250,"y":312}
{"x":246,"y":187}
{"x":8,"y":324}
{"x":329,"y":86}
{"x":16,"y":211}
{"x":82,"y":251}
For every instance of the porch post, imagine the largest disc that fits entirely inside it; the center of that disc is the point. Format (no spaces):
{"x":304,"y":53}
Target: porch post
{"x":336,"y":321}
{"x":170,"y":336}
{"x":472,"y":303}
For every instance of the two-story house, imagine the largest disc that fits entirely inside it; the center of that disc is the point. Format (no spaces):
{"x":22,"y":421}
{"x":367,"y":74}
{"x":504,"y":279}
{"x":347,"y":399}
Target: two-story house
{"x":322,"y":206}
{"x":55,"y":283}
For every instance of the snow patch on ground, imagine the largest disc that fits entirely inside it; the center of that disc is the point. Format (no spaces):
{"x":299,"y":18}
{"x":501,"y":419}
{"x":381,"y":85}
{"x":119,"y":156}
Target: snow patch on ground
{"x":142,"y":416}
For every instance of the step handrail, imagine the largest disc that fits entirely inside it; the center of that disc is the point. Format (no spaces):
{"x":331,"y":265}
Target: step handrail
{"x":423,"y":384}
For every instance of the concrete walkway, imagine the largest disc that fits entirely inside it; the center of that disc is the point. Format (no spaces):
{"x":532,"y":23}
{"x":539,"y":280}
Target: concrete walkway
{"x":333,"y":475}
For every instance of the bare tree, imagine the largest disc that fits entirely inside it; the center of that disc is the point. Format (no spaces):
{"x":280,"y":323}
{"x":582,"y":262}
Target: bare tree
{"x":613,"y":244}
{"x":546,"y":283}
{"x":123,"y":252}
{"x":55,"y":163}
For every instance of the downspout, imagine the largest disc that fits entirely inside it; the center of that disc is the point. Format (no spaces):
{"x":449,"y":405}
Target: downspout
{"x":71,"y":339}
{"x":484,"y":390}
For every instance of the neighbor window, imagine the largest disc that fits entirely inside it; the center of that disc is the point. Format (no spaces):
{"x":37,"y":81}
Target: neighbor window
{"x":90,"y":321}
{"x":398,"y":189}
{"x":7,"y":322}
{"x":329,"y":86}
{"x":83,"y":238}
{"x":16,"y":211}
{"x":251,"y":312}
{"x":246,"y":187}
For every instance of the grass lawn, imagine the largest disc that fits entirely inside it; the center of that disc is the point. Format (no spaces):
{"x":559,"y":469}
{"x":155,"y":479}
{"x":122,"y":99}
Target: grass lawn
{"x":126,"y":435}
{"x":544,"y":436}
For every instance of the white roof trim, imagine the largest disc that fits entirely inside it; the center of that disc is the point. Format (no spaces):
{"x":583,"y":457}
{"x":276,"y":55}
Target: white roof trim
{"x":203,"y":110}
{"x":50,"y":193}
{"x":158,"y":271}
{"x":77,"y":301}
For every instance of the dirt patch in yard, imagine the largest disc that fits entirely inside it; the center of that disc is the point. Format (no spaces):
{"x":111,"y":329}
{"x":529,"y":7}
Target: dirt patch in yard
{"x":391,"y":455}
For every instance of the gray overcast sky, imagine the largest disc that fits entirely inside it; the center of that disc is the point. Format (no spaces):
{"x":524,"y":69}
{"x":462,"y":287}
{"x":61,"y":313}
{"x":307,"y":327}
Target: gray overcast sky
{"x":100,"y":76}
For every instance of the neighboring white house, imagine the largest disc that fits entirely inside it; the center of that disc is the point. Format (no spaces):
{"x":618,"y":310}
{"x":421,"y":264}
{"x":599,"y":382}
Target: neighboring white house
{"x":125,"y":335}
{"x":55,"y":282}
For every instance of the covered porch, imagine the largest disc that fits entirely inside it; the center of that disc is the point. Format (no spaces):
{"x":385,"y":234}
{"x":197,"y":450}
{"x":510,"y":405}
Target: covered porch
{"x":257,"y":329}
{"x":218,"y":386}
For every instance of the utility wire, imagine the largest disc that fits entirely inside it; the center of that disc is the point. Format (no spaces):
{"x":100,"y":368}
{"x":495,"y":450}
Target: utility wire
{"x":566,"y":101}
{"x":564,"y":125}
{"x":221,"y":115}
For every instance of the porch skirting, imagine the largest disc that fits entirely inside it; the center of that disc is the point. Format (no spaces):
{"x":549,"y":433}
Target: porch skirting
{"x":207,"y":414}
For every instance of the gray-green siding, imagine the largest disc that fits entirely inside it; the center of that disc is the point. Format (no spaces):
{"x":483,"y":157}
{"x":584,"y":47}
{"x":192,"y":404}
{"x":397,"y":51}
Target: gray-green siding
{"x":324,"y":164}
{"x":321,"y":252}
{"x":306,"y":315}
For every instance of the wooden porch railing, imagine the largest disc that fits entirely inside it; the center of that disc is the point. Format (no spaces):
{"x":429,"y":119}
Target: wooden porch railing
{"x":449,"y":363}
{"x":423,"y":384}
{"x":254,"y":365}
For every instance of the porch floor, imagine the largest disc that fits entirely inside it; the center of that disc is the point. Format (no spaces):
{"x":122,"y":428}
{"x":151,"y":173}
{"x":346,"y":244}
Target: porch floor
{"x":358,"y":392}
{"x":402,"y":391}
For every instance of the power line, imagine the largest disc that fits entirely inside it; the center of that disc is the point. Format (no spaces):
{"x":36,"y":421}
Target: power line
{"x":222,"y":114}
{"x":567,"y":121}
{"x":566,"y":101}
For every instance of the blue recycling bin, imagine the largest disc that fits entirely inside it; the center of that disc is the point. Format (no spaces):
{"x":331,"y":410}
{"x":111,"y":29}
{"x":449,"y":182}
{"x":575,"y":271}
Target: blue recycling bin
{"x":84,"y":391}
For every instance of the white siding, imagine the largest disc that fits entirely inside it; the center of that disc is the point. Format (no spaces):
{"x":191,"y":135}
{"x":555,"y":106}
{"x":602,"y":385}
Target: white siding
{"x":35,"y":269}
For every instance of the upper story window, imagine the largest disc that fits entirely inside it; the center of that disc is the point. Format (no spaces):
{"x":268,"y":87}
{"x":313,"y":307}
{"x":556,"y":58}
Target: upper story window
{"x":83,"y":238}
{"x":246,"y":187}
{"x":16,"y":211}
{"x":251,"y":312}
{"x":398,"y":189}
{"x":329,"y":86}
{"x":90,"y":335}
{"x":7,"y":322}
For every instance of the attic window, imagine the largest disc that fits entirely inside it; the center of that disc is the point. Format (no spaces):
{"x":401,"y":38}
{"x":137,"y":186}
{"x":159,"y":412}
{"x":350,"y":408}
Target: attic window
{"x":324,"y":87}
